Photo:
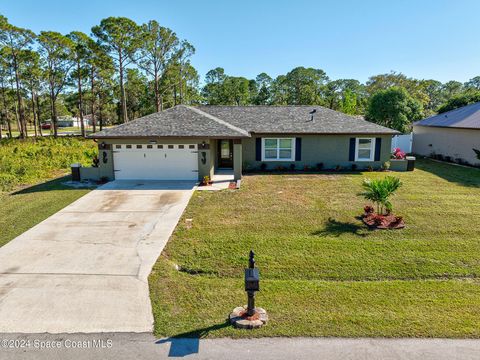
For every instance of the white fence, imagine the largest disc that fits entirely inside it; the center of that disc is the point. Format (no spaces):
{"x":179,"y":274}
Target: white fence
{"x":404,"y":142}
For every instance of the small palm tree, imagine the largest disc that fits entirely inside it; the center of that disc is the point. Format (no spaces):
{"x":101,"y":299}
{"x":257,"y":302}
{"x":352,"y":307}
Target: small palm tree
{"x":379,"y":191}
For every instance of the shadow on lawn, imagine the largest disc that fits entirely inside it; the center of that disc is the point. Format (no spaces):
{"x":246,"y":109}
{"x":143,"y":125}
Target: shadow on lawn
{"x":189,"y":342}
{"x":466,"y":176}
{"x":55,"y":184}
{"x":337,"y":228}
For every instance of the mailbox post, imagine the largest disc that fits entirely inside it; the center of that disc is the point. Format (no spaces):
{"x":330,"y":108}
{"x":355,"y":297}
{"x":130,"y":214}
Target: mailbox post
{"x":252,"y":283}
{"x":249,"y":316}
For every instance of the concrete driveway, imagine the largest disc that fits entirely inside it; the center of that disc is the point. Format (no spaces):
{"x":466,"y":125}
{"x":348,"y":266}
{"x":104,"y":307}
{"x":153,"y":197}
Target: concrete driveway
{"x":85,"y":268}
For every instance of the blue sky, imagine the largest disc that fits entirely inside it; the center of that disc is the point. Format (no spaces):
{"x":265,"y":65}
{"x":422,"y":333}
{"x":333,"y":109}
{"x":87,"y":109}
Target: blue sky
{"x":348,"y":39}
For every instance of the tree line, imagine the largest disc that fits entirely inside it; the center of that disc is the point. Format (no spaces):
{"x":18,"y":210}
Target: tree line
{"x":121,"y":71}
{"x":124,"y":70}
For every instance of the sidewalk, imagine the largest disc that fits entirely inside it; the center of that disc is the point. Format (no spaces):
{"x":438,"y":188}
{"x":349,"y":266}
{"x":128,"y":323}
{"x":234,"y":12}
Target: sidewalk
{"x":129,"y":346}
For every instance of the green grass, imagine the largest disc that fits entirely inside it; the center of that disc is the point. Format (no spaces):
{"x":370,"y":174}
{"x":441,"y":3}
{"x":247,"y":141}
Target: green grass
{"x":30,"y":161}
{"x":322,"y":272}
{"x":24,"y":166}
{"x":19,"y":211}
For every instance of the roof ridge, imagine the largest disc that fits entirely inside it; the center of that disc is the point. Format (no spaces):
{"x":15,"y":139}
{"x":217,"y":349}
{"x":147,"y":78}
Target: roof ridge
{"x":220,"y":121}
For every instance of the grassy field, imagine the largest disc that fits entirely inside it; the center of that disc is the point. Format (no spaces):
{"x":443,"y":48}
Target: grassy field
{"x":322,"y":272}
{"x":30,"y":161}
{"x":24,"y":165}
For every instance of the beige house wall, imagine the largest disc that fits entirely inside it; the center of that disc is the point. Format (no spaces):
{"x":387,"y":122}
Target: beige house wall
{"x":456,"y":143}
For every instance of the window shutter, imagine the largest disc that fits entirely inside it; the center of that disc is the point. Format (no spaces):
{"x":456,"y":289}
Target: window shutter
{"x":378,"y":147}
{"x":298,"y":149}
{"x":351,"y":152}
{"x":258,"y":149}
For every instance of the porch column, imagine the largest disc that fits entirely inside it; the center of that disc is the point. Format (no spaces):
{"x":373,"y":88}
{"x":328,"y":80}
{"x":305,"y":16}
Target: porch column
{"x":237,"y":159}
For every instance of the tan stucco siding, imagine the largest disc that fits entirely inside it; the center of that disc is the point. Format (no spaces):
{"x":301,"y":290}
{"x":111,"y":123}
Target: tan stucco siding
{"x":456,"y":143}
{"x":331,"y":150}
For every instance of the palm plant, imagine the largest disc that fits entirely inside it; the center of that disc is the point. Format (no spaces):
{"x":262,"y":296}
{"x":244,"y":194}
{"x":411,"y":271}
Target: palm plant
{"x":379,"y":191}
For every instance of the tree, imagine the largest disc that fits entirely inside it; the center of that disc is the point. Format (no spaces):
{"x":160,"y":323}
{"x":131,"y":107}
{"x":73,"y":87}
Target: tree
{"x":452,"y":88}
{"x":379,"y":192}
{"x":14,"y":40}
{"x":459,"y":101}
{"x":394,"y":108}
{"x":160,"y":46}
{"x":473,"y":83}
{"x":81,"y":52}
{"x":31,"y":75}
{"x":213,"y":89}
{"x":346,"y":93}
{"x":305,"y":86}
{"x":136,"y":91}
{"x":100,"y":71}
{"x":120,"y":37}
{"x":263,"y":84}
{"x":57,"y":53}
{"x":349,"y":103}
{"x":416,"y":88}
{"x":236,"y":91}
{"x":4,"y":75}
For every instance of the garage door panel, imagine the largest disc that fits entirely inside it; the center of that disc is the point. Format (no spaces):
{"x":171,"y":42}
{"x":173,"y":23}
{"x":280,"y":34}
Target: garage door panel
{"x":156,"y":163}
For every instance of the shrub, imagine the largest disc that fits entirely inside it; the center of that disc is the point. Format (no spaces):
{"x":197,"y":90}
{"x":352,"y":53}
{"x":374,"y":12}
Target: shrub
{"x":386,"y":165}
{"x":292,"y":167}
{"x":263,"y":166}
{"x":354,"y":167}
{"x":34,"y":160}
{"x":379,"y":192}
{"x":398,"y":154}
{"x":319,"y":166}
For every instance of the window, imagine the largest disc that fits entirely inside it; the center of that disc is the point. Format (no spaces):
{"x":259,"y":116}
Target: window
{"x":129,"y":146}
{"x":281,"y":149}
{"x":159,"y":146}
{"x":149,"y":146}
{"x":170,"y":146}
{"x":191,"y":146}
{"x":181,"y":146}
{"x":365,"y":149}
{"x":139,"y":146}
{"x":118,"y":146}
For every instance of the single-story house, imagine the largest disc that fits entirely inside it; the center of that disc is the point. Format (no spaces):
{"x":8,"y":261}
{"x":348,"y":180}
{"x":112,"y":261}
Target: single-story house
{"x":451,"y":135}
{"x":188,"y":143}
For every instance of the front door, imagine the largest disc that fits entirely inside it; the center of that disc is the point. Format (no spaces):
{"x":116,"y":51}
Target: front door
{"x":225,"y":154}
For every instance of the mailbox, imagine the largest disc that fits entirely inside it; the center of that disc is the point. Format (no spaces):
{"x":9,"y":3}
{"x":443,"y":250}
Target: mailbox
{"x":252,"y":280}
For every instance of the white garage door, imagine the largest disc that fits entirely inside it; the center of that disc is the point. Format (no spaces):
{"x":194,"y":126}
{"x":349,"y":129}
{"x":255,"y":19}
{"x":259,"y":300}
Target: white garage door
{"x":155,"y":162}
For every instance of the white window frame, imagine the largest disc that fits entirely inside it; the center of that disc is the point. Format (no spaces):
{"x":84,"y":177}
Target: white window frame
{"x":372,"y":148}
{"x":292,"y":158}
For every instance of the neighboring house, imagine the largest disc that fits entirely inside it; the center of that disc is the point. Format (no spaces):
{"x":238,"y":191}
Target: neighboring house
{"x":451,"y":135}
{"x":188,"y":143}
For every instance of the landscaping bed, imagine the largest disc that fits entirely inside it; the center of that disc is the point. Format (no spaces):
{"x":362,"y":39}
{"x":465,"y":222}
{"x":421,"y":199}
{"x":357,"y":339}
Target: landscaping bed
{"x":323,"y":271}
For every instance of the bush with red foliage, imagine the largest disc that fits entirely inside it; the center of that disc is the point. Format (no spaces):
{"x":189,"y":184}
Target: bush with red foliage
{"x":398,"y":154}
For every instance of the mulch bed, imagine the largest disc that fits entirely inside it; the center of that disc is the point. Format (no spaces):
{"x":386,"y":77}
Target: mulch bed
{"x":382,"y":222}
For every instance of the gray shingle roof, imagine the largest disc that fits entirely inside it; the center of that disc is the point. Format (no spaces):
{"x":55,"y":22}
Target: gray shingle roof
{"x":467,"y":117}
{"x":240,"y":121}
{"x":294,"y":119}
{"x":179,"y":121}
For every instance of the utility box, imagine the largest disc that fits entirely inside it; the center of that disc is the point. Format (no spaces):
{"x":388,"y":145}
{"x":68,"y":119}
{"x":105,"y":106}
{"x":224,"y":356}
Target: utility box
{"x":75,"y":171}
{"x":410,"y":163}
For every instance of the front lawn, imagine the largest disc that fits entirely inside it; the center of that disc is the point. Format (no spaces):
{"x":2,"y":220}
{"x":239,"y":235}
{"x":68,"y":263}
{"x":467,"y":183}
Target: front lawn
{"x":322,"y":272}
